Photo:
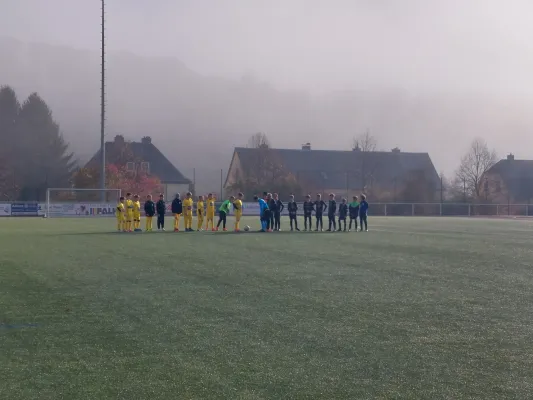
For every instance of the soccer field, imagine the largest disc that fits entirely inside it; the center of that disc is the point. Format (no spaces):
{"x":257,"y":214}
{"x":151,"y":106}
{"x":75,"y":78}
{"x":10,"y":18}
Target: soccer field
{"x":417,"y":308}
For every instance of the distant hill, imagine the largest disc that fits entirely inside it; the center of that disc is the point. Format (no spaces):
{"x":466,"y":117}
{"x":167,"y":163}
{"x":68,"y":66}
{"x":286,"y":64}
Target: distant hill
{"x":197,"y":120}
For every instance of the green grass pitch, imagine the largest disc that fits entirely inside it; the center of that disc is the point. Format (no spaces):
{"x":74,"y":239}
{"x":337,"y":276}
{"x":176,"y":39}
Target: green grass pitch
{"x":417,"y":308}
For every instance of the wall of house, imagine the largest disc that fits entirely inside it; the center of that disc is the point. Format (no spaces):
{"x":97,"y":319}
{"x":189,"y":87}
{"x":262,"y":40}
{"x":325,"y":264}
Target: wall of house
{"x":171,"y":189}
{"x":234,"y":172}
{"x":494,"y":191}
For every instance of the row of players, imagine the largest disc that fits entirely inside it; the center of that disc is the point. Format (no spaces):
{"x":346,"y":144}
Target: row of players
{"x":128,"y":212}
{"x":271,"y":208}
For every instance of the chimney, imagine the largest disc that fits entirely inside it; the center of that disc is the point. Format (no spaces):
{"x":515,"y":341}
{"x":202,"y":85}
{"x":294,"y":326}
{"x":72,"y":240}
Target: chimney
{"x":119,"y":139}
{"x":396,"y":150}
{"x":510,"y":157}
{"x":306,"y":146}
{"x":146,"y":140}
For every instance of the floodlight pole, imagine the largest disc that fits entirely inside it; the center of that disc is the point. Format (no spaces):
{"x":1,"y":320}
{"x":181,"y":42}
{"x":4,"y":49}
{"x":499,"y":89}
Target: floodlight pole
{"x":102,"y":105}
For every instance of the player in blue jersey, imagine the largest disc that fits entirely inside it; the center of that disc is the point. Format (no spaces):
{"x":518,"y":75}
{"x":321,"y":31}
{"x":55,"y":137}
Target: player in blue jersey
{"x":264,"y":213}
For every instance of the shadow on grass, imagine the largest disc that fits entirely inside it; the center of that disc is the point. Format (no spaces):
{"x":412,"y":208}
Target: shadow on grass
{"x":288,"y":232}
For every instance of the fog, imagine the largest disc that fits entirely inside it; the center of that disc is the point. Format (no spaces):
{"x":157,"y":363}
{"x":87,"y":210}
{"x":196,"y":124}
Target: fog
{"x":420,"y":74}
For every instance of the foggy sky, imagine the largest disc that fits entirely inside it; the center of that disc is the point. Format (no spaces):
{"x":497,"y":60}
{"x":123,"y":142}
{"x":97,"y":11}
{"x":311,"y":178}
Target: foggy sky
{"x":317,"y":45}
{"x":451,"y":49}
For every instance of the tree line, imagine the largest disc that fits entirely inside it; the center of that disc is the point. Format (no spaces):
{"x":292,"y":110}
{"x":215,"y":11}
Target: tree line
{"x":34,"y":156}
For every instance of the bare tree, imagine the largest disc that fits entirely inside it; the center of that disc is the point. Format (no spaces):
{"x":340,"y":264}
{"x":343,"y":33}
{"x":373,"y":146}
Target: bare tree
{"x":474,"y":165}
{"x":259,"y":141}
{"x":365,"y":142}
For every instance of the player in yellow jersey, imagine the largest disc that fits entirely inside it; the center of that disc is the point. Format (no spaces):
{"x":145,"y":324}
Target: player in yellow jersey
{"x":237,"y":206}
{"x":210,"y":212}
{"x":188,"y":204}
{"x":136,"y":213}
{"x":120,"y":213}
{"x":200,"y":212}
{"x":129,"y":213}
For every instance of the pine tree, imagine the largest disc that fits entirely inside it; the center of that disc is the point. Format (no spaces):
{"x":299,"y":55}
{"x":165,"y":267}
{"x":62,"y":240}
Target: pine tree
{"x":42,"y":152}
{"x":9,"y":110}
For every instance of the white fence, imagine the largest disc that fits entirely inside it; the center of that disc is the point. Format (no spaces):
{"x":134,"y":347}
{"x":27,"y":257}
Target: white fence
{"x":375,"y":209}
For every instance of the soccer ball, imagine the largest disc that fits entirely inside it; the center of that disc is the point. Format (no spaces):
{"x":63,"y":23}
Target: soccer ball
{"x":246,"y":228}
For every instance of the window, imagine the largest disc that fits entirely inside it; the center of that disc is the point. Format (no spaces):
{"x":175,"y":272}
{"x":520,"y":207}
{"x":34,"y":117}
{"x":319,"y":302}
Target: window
{"x":145,"y":167}
{"x":130,"y":166}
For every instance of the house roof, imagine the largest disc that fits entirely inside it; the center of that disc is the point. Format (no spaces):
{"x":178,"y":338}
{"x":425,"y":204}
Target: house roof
{"x":517,"y":176}
{"x":338,"y":169}
{"x":145,"y":150}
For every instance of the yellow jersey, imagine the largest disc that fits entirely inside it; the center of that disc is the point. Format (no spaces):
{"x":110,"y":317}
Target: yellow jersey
{"x":211,"y":206}
{"x":187,"y":205}
{"x":136,"y":207}
{"x":200,"y":208}
{"x":237,"y":205}
{"x":119,"y":211}
{"x":129,"y":206}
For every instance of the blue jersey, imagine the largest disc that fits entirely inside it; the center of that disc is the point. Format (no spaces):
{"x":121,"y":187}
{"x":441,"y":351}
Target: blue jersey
{"x":363,"y":207}
{"x":263,"y":206}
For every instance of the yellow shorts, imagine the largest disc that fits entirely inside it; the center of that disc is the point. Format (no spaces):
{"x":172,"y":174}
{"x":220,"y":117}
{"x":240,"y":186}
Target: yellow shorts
{"x":129,"y":216}
{"x":137,"y":217}
{"x":210,"y":216}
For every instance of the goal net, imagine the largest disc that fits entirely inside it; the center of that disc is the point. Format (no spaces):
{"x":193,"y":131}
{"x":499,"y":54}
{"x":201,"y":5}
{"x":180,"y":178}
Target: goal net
{"x":68,"y":202}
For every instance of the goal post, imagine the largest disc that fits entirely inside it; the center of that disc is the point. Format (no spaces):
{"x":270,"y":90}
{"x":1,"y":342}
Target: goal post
{"x":69,"y":202}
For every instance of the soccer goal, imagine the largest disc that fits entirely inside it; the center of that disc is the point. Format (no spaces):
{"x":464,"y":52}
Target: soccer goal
{"x":68,"y":202}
